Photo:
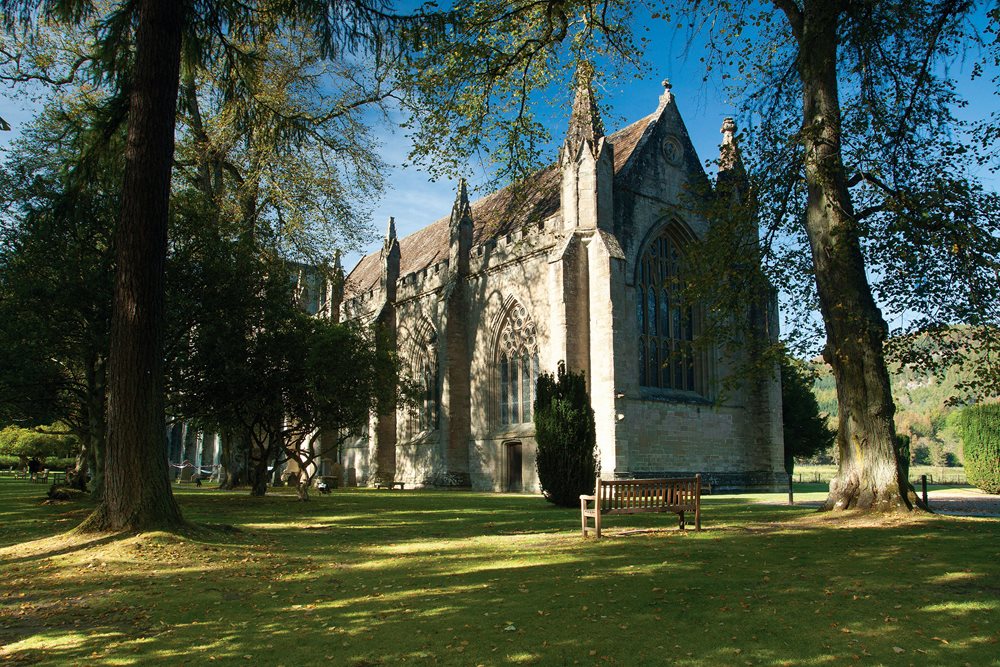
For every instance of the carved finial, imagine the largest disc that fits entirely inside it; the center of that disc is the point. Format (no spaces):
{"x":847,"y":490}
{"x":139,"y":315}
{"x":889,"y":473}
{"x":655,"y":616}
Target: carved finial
{"x":462,"y":198}
{"x":666,"y":96}
{"x":728,"y":127}
{"x":336,"y":260}
{"x":585,"y":120}
{"x":729,"y":151}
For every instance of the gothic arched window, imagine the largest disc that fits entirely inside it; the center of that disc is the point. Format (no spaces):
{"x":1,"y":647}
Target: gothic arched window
{"x":668,"y":357}
{"x":424,"y":374}
{"x":430,"y":390}
{"x":517,"y":366}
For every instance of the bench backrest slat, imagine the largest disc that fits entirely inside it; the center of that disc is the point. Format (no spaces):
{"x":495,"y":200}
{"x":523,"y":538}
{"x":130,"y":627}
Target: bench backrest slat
{"x":633,"y":495}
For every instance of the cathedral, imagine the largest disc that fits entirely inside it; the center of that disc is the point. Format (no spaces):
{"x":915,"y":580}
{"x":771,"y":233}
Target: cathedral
{"x":574,"y":265}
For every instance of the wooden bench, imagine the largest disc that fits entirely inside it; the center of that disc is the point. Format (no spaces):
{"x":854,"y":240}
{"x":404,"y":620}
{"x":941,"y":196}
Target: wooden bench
{"x":638,"y":496}
{"x":389,"y":485}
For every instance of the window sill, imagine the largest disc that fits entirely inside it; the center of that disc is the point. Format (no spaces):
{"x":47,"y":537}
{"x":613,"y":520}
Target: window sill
{"x":672,"y":396}
{"x":422,"y":438}
{"x":513,"y":430}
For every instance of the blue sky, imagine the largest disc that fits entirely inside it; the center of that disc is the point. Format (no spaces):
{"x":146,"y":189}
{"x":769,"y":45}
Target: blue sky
{"x":415,"y":201}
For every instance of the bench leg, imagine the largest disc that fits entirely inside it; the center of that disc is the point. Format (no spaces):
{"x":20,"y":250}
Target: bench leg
{"x":597,"y":524}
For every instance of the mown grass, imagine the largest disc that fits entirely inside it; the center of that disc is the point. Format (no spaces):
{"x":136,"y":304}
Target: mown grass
{"x":936,"y":475}
{"x":421,"y":577}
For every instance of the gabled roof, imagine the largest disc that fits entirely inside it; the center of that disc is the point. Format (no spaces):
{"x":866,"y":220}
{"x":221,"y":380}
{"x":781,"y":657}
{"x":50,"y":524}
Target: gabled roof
{"x":493,"y":216}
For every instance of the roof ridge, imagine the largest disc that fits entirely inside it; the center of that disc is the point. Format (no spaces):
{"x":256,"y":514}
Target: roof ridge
{"x":516,"y":205}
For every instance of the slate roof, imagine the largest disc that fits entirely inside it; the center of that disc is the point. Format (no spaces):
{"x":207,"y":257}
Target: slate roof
{"x":493,"y":216}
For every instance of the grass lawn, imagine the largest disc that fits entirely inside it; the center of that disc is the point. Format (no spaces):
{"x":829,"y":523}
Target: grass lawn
{"x":936,"y":475}
{"x":361,"y":577}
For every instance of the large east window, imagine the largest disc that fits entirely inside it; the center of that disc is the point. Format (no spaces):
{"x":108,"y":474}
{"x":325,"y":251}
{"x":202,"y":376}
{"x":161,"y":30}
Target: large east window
{"x":668,"y":356}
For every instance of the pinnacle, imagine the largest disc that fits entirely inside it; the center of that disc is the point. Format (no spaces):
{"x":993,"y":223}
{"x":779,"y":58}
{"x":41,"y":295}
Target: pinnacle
{"x":730,"y":160}
{"x":585,"y":119}
{"x":390,"y":231}
{"x":461,"y":211}
{"x":728,"y":129}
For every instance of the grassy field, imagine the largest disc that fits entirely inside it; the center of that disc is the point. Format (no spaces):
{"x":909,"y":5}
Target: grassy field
{"x":362,"y":578}
{"x":935,"y":474}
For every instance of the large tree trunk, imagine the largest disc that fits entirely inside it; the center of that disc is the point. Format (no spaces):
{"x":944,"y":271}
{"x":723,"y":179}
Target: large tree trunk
{"x":869,"y":475}
{"x":92,"y":455}
{"x":137,"y":493}
{"x":261,"y":453}
{"x":234,"y":462}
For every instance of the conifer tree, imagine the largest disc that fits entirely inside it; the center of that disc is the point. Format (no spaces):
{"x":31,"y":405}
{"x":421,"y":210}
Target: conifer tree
{"x":564,"y":431}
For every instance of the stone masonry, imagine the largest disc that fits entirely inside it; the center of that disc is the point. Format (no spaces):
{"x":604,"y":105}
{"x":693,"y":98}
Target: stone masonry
{"x":479,"y":302}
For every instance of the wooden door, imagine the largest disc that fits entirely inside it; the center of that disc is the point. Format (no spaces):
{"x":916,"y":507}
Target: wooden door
{"x":514,"y":484}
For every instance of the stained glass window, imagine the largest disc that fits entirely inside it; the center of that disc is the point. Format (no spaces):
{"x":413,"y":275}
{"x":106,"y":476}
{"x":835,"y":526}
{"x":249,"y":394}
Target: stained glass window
{"x":668,"y":358}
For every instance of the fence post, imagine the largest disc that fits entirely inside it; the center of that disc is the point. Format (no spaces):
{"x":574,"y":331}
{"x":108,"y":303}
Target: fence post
{"x":923,"y":487}
{"x":791,"y":493}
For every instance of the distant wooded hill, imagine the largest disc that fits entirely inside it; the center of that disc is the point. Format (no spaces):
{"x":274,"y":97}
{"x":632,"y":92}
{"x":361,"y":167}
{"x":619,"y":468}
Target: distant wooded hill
{"x":922,"y":411}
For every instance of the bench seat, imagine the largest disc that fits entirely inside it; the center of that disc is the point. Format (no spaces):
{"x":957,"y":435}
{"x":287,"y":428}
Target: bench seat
{"x":639,"y":496}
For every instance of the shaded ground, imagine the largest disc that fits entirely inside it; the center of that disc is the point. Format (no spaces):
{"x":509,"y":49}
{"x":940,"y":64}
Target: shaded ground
{"x":361,"y":578}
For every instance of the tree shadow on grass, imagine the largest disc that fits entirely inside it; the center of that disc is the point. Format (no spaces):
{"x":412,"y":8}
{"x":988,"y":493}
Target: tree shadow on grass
{"x":361,"y":578}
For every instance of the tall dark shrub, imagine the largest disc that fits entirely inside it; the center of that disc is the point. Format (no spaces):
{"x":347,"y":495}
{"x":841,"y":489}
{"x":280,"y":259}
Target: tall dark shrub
{"x":564,"y":430}
{"x":804,"y":429}
{"x":980,"y":427}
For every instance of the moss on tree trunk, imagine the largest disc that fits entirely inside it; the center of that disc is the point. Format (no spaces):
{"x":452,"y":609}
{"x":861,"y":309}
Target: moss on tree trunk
{"x":869,"y":476}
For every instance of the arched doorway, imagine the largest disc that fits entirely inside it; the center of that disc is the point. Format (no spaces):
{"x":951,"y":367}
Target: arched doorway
{"x":514,"y":460}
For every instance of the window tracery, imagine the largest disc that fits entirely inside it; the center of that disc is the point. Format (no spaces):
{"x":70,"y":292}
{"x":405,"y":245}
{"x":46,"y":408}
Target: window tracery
{"x":517,"y":366}
{"x":668,"y":357}
{"x":424,"y":373}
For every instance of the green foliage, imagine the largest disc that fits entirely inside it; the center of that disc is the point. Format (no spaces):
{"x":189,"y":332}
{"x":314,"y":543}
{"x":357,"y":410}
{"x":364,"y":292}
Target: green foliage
{"x":55,"y":271}
{"x":474,"y":88}
{"x":27,"y":443}
{"x":564,"y":432}
{"x":804,"y":428}
{"x":257,"y":366}
{"x":926,"y":409}
{"x":980,"y":426}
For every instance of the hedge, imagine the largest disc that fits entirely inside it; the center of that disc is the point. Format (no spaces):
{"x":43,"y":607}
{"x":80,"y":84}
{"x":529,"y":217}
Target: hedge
{"x":980,"y":429}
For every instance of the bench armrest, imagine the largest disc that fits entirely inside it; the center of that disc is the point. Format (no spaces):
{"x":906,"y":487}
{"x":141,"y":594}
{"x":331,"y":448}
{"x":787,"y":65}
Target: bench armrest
{"x":583,"y":497}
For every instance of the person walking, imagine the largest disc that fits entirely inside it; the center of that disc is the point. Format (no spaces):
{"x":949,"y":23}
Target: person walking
{"x":34,"y":467}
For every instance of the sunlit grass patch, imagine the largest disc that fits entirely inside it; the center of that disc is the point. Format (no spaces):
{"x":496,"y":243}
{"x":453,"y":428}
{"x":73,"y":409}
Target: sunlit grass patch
{"x":451,"y":578}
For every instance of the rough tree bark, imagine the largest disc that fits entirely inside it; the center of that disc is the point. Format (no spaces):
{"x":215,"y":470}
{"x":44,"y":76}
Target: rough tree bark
{"x":869,"y":476}
{"x":137,"y":494}
{"x":234,"y":462}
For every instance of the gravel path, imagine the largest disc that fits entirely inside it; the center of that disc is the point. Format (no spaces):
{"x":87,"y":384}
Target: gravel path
{"x":964,"y":502}
{"x":956,"y":502}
